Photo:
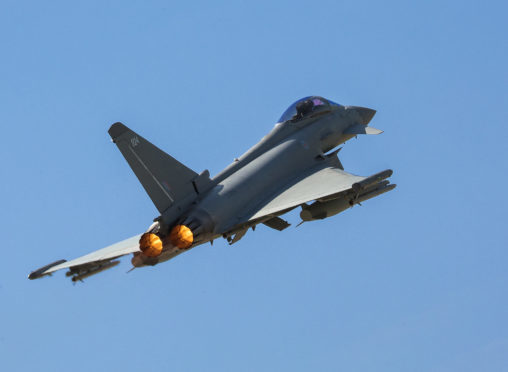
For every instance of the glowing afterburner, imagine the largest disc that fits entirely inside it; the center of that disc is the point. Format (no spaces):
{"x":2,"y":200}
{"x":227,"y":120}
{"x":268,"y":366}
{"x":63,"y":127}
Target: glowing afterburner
{"x":150,"y":244}
{"x":181,"y":236}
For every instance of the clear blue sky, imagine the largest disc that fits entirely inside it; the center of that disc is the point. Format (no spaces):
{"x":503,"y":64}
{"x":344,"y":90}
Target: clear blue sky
{"x":415,"y":280}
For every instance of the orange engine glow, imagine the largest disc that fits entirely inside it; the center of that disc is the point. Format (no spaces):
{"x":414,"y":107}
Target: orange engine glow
{"x":150,"y":245}
{"x":181,"y":236}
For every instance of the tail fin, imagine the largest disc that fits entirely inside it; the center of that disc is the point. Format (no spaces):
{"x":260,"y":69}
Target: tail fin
{"x":165,"y":179}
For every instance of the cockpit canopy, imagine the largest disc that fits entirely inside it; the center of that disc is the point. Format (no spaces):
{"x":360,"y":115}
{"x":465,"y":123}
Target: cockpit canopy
{"x":305,"y":107}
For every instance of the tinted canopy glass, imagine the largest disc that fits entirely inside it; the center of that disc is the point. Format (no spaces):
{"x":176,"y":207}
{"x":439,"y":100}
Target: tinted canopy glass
{"x":305,"y":107}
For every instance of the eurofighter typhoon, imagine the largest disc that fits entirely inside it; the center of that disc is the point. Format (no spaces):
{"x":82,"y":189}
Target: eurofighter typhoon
{"x":294,"y":166}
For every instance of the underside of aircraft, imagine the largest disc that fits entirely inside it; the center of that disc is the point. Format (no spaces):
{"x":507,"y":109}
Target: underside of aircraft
{"x":295,"y":165}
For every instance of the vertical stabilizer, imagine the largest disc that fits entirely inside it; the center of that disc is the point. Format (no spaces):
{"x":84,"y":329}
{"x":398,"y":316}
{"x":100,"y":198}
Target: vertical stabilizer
{"x":165,"y":179}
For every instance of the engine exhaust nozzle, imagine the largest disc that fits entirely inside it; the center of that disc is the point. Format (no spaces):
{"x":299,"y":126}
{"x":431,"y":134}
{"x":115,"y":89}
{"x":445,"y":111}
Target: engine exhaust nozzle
{"x":181,"y":236}
{"x":150,"y":244}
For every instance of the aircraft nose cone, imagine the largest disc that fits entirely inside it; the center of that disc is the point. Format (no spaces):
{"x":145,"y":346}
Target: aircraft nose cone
{"x":366,"y":114}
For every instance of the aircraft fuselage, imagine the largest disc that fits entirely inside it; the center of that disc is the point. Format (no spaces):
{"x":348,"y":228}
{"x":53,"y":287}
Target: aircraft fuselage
{"x":286,"y":152}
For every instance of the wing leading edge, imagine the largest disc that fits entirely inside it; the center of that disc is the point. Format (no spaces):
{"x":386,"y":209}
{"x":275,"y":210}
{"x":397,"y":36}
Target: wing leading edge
{"x":333,"y":189}
{"x":91,"y":263}
{"x":321,"y":183}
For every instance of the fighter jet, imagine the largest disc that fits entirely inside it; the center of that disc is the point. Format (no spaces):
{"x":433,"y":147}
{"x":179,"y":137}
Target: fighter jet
{"x":294,"y":166}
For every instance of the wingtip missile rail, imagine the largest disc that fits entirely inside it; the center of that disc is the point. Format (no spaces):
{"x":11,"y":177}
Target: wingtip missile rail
{"x":361,"y":191}
{"x":39,"y":273}
{"x":371,"y":180}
